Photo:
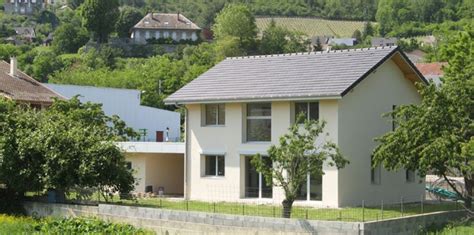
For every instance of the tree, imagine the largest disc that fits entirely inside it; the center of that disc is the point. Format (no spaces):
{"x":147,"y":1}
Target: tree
{"x":357,"y":35}
{"x":70,"y":144}
{"x":99,"y":17}
{"x":318,"y":46}
{"x":437,"y":135}
{"x":368,"y":30}
{"x":236,"y":20}
{"x":295,"y":157}
{"x":7,"y":51}
{"x":128,"y":17}
{"x":68,"y":38}
{"x":273,"y":39}
{"x":44,"y":64}
{"x":74,"y":3}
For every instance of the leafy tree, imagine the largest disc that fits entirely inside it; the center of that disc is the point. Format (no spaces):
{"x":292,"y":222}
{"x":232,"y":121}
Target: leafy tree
{"x":99,"y":17}
{"x":68,"y":38}
{"x":295,"y":157}
{"x":273,"y":39}
{"x":44,"y":64}
{"x":318,"y":46}
{"x":236,"y":20}
{"x":68,"y":145}
{"x":437,"y":135}
{"x":368,"y":30}
{"x":357,"y":35}
{"x":128,"y":17}
{"x":7,"y":51}
{"x":74,"y":3}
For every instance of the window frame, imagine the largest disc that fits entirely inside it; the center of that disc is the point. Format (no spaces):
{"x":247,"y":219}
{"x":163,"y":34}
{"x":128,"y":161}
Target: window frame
{"x":216,"y":162}
{"x":248,"y":117}
{"x":217,"y":117}
{"x":375,"y":174}
{"x":410,"y":176}
{"x":308,"y":110}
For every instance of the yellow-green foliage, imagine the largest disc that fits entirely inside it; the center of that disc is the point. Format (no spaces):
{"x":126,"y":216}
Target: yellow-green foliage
{"x":313,"y":26}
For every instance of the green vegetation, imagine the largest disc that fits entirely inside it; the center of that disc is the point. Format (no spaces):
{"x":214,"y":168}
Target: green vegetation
{"x":99,"y":17}
{"x":453,"y":228}
{"x":28,"y":225}
{"x":313,"y":26}
{"x":295,"y":157}
{"x":298,"y":212}
{"x":70,"y":144}
{"x":436,"y":136}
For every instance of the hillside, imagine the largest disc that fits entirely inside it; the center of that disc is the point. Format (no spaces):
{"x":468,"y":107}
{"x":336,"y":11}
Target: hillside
{"x":313,"y":26}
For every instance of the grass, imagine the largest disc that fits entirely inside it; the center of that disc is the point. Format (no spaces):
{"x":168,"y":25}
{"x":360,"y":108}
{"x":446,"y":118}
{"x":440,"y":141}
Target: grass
{"x":313,"y":26}
{"x":28,"y":225}
{"x":453,"y":228}
{"x":266,"y":210}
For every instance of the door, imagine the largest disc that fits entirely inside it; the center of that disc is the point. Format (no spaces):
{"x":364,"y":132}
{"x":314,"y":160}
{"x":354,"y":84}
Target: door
{"x":159,"y":136}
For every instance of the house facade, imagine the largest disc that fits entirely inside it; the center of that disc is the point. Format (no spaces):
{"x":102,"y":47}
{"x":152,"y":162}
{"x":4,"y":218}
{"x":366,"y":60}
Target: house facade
{"x":243,"y":105}
{"x":25,"y":7}
{"x":158,"y":26}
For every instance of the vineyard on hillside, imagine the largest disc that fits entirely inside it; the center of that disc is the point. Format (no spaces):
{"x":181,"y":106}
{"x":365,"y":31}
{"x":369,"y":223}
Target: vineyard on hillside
{"x":313,"y":26}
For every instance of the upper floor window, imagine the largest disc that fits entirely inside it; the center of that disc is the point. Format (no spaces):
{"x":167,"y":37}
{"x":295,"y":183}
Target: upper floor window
{"x":259,"y":122}
{"x":394,"y":124}
{"x":215,"y":114}
{"x":309,"y":109}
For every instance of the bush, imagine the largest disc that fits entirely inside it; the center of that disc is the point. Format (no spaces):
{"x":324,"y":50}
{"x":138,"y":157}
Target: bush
{"x":27,"y":225}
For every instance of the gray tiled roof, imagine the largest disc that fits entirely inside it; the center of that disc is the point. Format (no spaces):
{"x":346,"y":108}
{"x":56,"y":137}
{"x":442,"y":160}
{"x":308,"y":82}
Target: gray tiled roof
{"x":279,"y":77}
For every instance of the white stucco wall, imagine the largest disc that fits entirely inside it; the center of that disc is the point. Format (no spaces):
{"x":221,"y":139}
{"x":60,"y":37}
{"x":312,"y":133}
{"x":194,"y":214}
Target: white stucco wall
{"x":228,"y":140}
{"x":360,"y":121}
{"x":126,"y":104}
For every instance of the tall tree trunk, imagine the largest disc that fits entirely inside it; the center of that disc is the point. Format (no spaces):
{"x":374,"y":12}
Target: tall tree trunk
{"x":469,"y":183}
{"x":287,"y":206}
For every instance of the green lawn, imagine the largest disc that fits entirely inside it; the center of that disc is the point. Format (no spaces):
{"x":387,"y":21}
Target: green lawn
{"x":313,"y":26}
{"x":453,"y":228}
{"x":345,"y":214}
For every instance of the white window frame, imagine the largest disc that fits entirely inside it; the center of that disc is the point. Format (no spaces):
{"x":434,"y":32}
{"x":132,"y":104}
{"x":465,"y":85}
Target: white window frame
{"x":217,"y":124}
{"x":257,"y":118}
{"x":217,"y":166}
{"x":308,"y":109}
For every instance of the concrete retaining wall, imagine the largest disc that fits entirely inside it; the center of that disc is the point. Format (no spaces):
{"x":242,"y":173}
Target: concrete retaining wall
{"x":183,"y":222}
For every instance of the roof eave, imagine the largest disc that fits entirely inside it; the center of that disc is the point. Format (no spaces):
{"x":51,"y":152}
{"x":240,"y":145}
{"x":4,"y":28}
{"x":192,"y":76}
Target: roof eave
{"x":248,"y":100}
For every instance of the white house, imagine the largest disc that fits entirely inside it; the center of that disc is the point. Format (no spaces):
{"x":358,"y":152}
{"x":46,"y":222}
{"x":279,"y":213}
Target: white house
{"x":243,"y":105}
{"x":165,"y":25}
{"x":157,"y":157}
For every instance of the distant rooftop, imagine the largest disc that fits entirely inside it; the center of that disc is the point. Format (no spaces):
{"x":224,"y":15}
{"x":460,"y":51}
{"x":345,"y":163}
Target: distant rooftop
{"x":431,"y":69}
{"x":166,"y":21}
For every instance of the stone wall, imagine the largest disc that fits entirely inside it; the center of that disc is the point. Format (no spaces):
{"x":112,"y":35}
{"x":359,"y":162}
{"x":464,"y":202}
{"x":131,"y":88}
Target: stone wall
{"x":183,"y":222}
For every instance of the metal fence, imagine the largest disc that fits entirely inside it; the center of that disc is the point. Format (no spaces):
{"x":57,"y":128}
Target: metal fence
{"x":365,"y":211}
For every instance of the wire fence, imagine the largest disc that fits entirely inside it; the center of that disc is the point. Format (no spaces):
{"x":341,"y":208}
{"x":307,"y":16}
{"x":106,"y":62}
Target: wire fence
{"x":364,"y":211}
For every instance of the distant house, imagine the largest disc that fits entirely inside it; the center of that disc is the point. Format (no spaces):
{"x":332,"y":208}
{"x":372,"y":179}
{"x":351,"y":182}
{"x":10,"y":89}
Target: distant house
{"x":25,"y":7}
{"x":432,"y":71}
{"x":23,"y":89}
{"x":241,"y":107}
{"x":342,"y":41}
{"x":25,"y":33}
{"x":323,"y":40}
{"x":383,"y":42}
{"x":164,"y":25}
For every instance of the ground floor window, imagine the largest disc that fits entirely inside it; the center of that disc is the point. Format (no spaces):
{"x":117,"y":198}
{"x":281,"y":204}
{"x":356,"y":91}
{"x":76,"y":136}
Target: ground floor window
{"x":410,"y":176}
{"x":214,"y":165}
{"x":311,"y":189}
{"x":255,"y":184}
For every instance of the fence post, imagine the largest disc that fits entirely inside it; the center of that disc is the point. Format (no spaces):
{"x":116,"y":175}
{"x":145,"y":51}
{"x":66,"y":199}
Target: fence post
{"x":340,"y":215}
{"x":422,"y":209}
{"x":187,"y":205}
{"x":214,"y":204}
{"x":401,"y":206}
{"x":306,"y":213}
{"x":243,"y":209}
{"x":161,"y":203}
{"x":381,"y":211}
{"x":273,"y":210}
{"x":363,"y":210}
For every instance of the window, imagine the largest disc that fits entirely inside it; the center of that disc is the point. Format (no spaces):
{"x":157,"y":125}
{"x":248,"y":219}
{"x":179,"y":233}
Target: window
{"x":129,"y":165}
{"x":375,"y":173}
{"x":255,"y":183}
{"x":313,"y":190}
{"x":309,"y":109}
{"x":215,"y":114}
{"x":394,"y":125}
{"x":410,"y":176}
{"x":214,"y":165}
{"x":259,"y":122}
